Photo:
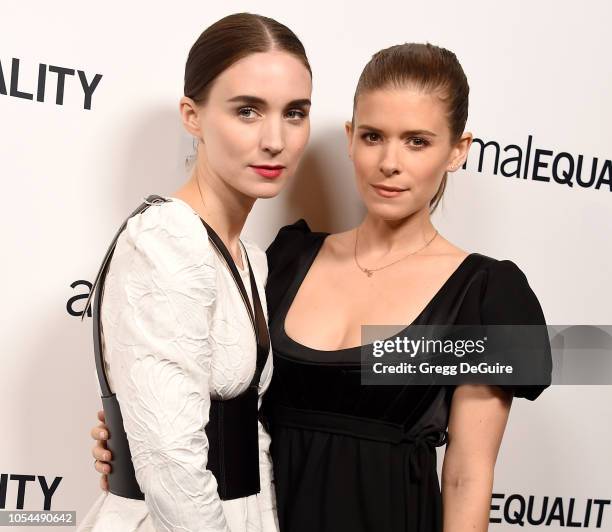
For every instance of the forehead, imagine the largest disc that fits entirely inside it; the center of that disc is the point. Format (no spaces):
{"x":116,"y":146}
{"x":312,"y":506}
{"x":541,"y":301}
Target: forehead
{"x":401,"y":109}
{"x":272,"y":76}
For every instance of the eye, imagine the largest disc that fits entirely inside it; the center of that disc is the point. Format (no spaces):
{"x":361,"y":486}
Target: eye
{"x":247,"y":112}
{"x":371,"y":137}
{"x":296,"y":114}
{"x":418,"y":142}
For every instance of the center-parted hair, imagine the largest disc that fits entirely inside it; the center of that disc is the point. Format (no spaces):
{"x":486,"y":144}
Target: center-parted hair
{"x":425,"y":67}
{"x":230,"y":39}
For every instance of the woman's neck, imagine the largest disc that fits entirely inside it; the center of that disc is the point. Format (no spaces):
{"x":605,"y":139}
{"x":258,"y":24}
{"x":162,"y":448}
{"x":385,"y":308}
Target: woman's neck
{"x":222,"y":207}
{"x":379,"y":238}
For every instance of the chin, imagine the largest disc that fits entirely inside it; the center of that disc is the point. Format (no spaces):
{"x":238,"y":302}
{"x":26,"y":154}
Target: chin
{"x":266,"y":190}
{"x":389,"y":211}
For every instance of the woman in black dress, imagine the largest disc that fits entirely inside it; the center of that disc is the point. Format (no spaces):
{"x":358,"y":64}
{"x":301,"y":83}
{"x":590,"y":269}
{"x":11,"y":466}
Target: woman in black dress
{"x":363,"y":458}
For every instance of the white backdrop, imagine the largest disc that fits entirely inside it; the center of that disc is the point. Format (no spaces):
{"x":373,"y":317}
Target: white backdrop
{"x":71,"y":175}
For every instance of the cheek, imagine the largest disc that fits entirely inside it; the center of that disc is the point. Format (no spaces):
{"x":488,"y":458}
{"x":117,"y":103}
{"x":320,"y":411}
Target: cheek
{"x":228,"y":141}
{"x":365,"y":161}
{"x":427,"y":169}
{"x":296,"y":139}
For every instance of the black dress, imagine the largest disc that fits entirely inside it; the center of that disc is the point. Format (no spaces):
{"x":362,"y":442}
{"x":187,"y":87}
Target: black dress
{"x":359,"y":458}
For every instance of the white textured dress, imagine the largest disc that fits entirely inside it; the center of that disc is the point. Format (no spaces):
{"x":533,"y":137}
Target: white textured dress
{"x":176,"y":332}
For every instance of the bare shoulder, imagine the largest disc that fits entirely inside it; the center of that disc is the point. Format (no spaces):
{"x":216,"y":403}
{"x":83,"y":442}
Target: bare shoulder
{"x":444,"y":249}
{"x":338,"y":245}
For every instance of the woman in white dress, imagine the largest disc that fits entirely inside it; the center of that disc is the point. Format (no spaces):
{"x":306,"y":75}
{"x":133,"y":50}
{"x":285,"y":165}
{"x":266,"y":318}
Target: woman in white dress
{"x":176,"y":330}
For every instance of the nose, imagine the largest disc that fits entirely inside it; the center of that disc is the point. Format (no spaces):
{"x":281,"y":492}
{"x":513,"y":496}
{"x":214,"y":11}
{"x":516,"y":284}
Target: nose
{"x":272,"y":138}
{"x":390,"y":162}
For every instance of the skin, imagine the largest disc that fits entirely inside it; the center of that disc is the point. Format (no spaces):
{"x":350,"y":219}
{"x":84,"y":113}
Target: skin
{"x":399,"y":137}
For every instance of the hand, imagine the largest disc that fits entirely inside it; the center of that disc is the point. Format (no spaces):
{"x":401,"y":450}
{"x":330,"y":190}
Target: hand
{"x":100,"y":452}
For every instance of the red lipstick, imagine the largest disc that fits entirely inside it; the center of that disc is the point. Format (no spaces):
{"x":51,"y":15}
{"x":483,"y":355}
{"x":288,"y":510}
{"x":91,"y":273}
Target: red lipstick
{"x":268,"y":171}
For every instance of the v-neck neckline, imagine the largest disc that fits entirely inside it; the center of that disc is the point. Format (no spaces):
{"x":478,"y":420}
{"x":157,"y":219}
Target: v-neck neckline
{"x":304,"y":268}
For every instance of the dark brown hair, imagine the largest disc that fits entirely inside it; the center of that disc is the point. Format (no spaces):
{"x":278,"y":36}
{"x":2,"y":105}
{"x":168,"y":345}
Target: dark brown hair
{"x":425,"y":67}
{"x":230,"y":39}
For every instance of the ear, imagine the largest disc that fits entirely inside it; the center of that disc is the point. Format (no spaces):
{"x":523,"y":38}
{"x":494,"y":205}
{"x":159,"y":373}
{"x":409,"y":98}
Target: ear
{"x":459,"y":152}
{"x":191,"y":116}
{"x":348,"y":128}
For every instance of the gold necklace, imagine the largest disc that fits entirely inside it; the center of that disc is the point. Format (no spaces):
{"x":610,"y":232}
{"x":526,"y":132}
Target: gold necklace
{"x":370,"y":271}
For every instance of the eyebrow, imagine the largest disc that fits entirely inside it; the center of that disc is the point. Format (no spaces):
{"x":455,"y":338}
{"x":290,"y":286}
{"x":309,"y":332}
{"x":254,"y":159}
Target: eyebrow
{"x":404,"y":133}
{"x":254,"y":100}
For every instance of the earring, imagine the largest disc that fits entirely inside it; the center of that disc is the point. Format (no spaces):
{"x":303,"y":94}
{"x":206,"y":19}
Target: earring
{"x":189,"y":159}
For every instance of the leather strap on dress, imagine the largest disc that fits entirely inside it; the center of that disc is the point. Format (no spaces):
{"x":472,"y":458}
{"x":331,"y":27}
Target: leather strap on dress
{"x":256,"y":315}
{"x":122,"y":478}
{"x":226,"y":416}
{"x":232,"y":430}
{"x":99,"y":281}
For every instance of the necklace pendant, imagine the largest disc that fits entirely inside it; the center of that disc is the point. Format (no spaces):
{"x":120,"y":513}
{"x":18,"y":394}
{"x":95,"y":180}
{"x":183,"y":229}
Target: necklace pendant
{"x":369,"y":273}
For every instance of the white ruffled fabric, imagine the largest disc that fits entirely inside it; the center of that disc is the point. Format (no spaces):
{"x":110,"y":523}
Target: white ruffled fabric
{"x":176,"y":332}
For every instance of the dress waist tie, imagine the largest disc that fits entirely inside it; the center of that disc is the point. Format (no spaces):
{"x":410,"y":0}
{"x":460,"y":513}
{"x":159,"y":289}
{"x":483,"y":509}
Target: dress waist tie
{"x":413,"y":440}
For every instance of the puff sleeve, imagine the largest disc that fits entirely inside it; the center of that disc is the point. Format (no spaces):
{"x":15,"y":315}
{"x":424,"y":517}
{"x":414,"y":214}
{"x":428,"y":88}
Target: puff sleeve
{"x":156,"y":312}
{"x":282,"y":254}
{"x":508,"y":299}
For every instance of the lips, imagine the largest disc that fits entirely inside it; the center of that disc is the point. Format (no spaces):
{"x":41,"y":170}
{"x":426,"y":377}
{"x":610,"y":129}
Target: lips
{"x":390,"y":189}
{"x":387,"y":191}
{"x":268,"y":171}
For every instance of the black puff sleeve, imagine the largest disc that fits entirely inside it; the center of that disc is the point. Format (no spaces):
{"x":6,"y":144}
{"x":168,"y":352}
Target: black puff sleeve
{"x":283,"y":259}
{"x":509,"y":300}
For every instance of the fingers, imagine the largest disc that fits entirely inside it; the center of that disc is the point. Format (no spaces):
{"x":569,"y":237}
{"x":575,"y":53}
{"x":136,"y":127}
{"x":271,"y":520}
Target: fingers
{"x":99,"y":432}
{"x":99,"y":452}
{"x":102,"y":467}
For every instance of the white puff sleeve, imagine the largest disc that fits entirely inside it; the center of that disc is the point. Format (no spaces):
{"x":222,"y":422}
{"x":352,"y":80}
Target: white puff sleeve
{"x":156,"y":313}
